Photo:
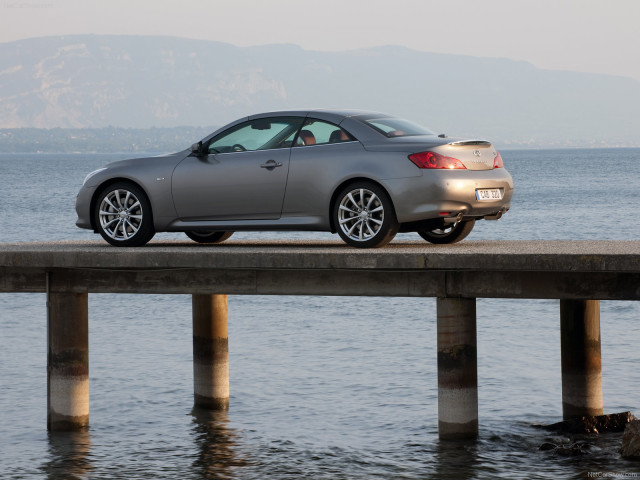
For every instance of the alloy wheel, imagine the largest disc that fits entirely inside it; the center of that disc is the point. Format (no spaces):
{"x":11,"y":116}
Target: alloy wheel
{"x":360,"y":214}
{"x":120,"y":214}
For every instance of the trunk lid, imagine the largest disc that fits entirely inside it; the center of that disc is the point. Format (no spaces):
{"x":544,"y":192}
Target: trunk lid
{"x":474,"y":154}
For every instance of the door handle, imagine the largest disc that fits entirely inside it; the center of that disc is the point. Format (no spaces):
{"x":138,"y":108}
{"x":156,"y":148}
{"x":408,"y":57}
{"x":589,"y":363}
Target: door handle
{"x":271,"y":164}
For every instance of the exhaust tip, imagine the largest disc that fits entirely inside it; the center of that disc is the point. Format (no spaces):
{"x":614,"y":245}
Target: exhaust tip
{"x":496,"y":216}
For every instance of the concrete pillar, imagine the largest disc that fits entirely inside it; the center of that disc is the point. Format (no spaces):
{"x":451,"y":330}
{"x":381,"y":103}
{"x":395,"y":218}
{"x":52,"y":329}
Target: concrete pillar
{"x":580,"y":352}
{"x":457,"y":368}
{"x":210,"y":351}
{"x":68,"y":361}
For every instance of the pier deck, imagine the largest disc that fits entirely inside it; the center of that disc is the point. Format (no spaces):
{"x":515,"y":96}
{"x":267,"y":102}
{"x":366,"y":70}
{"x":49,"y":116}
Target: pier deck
{"x":605,"y":270}
{"x":579,"y":273}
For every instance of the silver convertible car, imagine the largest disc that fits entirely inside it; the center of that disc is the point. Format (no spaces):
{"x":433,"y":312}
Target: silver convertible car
{"x":364,"y":175}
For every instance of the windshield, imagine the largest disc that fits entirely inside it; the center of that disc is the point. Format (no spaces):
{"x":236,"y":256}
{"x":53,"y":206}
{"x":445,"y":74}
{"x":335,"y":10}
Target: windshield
{"x":397,"y":127}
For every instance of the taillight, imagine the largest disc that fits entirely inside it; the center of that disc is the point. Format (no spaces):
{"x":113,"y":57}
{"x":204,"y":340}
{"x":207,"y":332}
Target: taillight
{"x":435,"y":160}
{"x":497,"y":162}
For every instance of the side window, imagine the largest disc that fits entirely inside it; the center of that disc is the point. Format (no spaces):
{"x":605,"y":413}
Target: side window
{"x":260,"y":134}
{"x":318,"y":132}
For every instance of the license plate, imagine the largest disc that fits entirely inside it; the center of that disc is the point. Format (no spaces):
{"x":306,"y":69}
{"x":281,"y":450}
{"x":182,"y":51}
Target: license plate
{"x":488,"y":194}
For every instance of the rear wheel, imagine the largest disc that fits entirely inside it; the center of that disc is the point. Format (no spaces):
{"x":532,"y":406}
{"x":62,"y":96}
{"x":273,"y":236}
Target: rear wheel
{"x":364,"y":216}
{"x":451,"y":233}
{"x":208,"y":237}
{"x":122,"y":215}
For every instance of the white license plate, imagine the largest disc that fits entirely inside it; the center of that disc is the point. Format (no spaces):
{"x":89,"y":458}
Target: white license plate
{"x":488,"y":194}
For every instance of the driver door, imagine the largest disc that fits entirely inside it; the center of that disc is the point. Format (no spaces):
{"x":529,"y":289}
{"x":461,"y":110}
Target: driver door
{"x":243,"y":176}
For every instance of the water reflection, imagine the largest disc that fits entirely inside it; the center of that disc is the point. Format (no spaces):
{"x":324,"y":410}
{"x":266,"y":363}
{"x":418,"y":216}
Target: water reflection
{"x":69,"y":455}
{"x":456,"y":459}
{"x":219,"y":456}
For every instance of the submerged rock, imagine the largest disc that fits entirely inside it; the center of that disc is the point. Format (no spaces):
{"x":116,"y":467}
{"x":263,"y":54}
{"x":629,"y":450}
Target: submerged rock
{"x":614,"y":422}
{"x":566,"y":449}
{"x":546,"y":446}
{"x":631,"y":440}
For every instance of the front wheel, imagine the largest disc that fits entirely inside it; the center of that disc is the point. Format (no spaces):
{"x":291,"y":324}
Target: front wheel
{"x":208,"y":237}
{"x":451,"y":233}
{"x":122,"y":215}
{"x":364,"y":216}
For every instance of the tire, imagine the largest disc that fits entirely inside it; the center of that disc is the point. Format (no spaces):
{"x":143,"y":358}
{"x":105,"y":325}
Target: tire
{"x":448,"y":234}
{"x":364,"y":216}
{"x":122,"y":215}
{"x":208,"y":237}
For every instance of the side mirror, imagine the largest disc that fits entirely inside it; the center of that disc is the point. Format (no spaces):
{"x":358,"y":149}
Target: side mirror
{"x":196,"y":148}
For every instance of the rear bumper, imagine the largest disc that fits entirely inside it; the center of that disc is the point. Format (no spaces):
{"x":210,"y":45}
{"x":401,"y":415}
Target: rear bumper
{"x":449,"y":191}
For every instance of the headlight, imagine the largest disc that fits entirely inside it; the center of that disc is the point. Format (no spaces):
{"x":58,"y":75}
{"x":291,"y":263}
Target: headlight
{"x":92,"y":174}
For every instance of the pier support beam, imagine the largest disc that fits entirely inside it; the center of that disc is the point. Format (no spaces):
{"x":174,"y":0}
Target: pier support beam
{"x":210,"y":351}
{"x":68,"y":361}
{"x":581,"y":362}
{"x":457,"y":368}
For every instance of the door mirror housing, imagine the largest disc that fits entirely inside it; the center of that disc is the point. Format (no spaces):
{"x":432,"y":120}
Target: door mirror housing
{"x":196,"y":149}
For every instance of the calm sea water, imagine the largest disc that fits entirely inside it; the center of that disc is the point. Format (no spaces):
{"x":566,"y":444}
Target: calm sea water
{"x":321,"y":387}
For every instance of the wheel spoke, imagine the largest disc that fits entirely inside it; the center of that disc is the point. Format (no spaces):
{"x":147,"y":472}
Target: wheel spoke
{"x":134,"y":206}
{"x":123,"y":227}
{"x":349,"y":219}
{"x":110,"y":222}
{"x":116,"y":194}
{"x":372,"y":199}
{"x":108,"y":202}
{"x":353,"y":227}
{"x":114,"y":231}
{"x":346,"y":209}
{"x":133,"y":227}
{"x":371,"y":232}
{"x":352,"y":199}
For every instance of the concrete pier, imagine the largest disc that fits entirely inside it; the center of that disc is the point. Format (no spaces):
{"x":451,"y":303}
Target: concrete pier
{"x":210,"y":351}
{"x":581,"y":361}
{"x":578,"y":273}
{"x":457,"y":368}
{"x":68,"y":361}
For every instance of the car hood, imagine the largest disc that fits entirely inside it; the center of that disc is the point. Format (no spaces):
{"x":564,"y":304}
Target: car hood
{"x":137,"y":161}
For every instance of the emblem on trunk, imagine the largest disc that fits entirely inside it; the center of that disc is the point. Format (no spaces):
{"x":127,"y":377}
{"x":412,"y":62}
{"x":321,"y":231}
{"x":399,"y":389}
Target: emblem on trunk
{"x":476,"y":153}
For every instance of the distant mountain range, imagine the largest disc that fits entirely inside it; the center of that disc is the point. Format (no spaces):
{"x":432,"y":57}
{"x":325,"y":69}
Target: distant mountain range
{"x":91,"y":81}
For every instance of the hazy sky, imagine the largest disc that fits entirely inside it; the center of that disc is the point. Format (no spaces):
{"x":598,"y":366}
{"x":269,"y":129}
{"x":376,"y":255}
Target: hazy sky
{"x":600,"y":36}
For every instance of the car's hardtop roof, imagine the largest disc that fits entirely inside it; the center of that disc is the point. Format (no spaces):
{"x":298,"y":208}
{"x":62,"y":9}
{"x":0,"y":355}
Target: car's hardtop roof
{"x":322,"y":113}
